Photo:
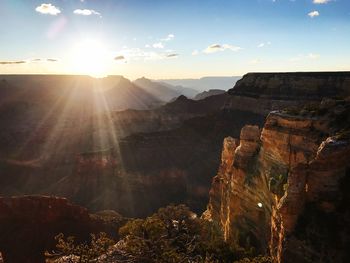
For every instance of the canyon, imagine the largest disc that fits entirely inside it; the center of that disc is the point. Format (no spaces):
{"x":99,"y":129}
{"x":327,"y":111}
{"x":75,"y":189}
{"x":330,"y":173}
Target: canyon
{"x":281,"y":187}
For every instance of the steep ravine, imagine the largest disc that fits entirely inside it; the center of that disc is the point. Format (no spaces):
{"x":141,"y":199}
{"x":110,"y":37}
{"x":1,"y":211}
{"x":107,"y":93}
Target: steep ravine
{"x":273,"y":185}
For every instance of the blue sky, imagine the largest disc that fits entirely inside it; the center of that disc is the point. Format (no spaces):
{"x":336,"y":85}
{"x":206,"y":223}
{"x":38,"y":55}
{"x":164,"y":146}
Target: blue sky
{"x":173,"y":38}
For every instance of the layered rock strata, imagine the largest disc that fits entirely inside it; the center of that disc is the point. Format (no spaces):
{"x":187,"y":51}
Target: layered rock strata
{"x":270,"y":186}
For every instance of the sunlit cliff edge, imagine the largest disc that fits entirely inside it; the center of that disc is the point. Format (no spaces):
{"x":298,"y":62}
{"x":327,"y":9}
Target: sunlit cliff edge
{"x":281,"y":188}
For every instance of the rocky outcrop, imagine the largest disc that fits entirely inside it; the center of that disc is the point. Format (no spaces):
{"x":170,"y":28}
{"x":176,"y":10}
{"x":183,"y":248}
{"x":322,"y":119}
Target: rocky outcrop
{"x":269,"y":191}
{"x":265,"y":92}
{"x":293,"y":86}
{"x":28,"y":225}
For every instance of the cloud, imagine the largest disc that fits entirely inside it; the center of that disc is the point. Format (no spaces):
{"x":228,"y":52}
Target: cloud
{"x":136,"y":54}
{"x":34,"y":60}
{"x":309,"y":56}
{"x":195,"y":52}
{"x":321,"y":1}
{"x":86,"y":12}
{"x":313,"y":14}
{"x":168,"y":38}
{"x":217,"y":47}
{"x":158,"y":45}
{"x":139,"y":54}
{"x":119,"y":58}
{"x":48,"y":9}
{"x":12,"y":62}
{"x":173,"y":55}
{"x":264,"y":44}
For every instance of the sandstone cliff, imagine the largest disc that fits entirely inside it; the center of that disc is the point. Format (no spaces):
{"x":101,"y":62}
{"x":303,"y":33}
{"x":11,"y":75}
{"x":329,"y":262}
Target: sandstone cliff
{"x":273,"y":186}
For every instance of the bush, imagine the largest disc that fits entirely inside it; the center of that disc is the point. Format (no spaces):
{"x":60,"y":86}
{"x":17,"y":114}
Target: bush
{"x":82,"y":252}
{"x":175,"y":234}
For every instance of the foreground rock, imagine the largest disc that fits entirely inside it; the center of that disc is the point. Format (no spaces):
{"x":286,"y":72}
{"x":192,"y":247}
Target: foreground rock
{"x":284,"y":190}
{"x":29,"y":224}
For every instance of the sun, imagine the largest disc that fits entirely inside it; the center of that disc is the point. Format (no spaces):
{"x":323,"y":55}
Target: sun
{"x":90,"y":57}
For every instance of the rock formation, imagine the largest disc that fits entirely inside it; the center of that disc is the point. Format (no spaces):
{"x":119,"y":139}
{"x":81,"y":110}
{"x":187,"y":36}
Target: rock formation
{"x":264,"y":92}
{"x":28,"y":225}
{"x":268,"y":187}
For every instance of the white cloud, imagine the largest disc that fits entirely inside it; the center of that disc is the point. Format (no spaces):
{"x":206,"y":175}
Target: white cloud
{"x":195,"y":52}
{"x":313,"y":14}
{"x":86,"y":12}
{"x":321,"y":1}
{"x":137,"y":54}
{"x":217,"y":47}
{"x":158,"y":45}
{"x":263,"y":44}
{"x":48,"y":9}
{"x":168,"y":38}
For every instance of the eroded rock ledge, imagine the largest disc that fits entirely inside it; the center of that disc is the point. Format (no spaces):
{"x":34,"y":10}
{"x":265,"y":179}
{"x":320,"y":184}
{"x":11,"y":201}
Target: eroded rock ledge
{"x":272,"y":187}
{"x":264,"y":92}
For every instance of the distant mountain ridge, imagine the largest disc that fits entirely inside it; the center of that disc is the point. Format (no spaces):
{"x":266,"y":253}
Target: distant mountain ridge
{"x":159,"y":90}
{"x":205,"y":83}
{"x":208,"y":93}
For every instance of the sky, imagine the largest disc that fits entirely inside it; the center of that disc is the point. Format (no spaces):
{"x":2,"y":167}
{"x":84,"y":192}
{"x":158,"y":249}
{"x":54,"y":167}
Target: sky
{"x":173,"y":38}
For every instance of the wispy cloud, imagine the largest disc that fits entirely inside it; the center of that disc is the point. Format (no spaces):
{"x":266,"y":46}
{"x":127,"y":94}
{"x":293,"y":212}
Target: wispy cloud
{"x":310,"y":56}
{"x":48,"y":9}
{"x":313,"y":14}
{"x":321,"y":1}
{"x":195,"y":52}
{"x":86,"y":12}
{"x":158,"y":45}
{"x":33,"y":60}
{"x":119,"y":58}
{"x":12,"y":62}
{"x":173,"y":55}
{"x":218,"y":47}
{"x":263,"y":44}
{"x":136,"y":54}
{"x":168,"y":38}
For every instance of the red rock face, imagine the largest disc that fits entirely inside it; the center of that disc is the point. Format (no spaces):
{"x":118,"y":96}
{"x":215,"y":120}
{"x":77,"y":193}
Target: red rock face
{"x":29,"y":224}
{"x":264,"y":184}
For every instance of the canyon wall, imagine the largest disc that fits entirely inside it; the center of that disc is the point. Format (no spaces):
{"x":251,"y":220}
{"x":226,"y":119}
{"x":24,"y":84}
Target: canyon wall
{"x":263,"y":92}
{"x":272,"y":187}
